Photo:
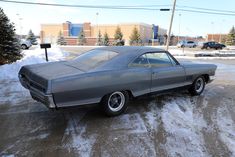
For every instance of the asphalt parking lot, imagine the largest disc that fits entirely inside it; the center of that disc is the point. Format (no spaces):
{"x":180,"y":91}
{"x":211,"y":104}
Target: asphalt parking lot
{"x":172,"y":125}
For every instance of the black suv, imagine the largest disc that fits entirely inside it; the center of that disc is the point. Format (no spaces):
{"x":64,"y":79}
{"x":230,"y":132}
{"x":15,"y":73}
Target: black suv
{"x":212,"y":45}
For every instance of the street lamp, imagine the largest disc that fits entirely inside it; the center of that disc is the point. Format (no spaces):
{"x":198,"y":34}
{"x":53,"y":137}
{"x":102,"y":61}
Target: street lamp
{"x":179,"y":27}
{"x":221,"y":31}
{"x":97,"y":29}
{"x":212,"y":25}
{"x":169,"y":31}
{"x":163,"y":9}
{"x":20,"y":26}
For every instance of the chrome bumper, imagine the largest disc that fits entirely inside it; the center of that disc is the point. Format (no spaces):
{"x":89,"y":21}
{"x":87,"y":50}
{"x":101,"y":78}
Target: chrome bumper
{"x":212,"y":78}
{"x":46,"y":99}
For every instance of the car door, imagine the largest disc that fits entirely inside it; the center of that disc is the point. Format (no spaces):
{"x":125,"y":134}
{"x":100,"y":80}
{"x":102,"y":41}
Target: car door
{"x":139,"y":73}
{"x":166,"y":73}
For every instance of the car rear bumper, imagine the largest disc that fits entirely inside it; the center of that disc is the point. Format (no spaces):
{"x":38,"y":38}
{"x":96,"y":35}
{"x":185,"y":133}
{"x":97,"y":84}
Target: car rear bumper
{"x":46,"y":99}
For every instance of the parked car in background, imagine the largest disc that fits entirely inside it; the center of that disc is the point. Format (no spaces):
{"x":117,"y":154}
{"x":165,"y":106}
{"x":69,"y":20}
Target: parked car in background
{"x":185,"y":43}
{"x":212,"y":45}
{"x":25,"y":44}
{"x":111,"y":76}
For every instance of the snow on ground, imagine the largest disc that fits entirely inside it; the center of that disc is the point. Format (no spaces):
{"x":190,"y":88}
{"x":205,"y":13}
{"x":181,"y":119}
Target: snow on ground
{"x":12,"y":91}
{"x":177,"y":52}
{"x":183,"y":127}
{"x":226,"y":124}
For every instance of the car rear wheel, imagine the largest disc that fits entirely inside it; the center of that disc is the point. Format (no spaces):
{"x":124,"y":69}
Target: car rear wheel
{"x":197,"y":86}
{"x":115,"y":103}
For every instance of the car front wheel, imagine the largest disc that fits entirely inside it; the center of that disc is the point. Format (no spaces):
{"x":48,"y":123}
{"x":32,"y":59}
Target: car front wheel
{"x":115,"y":103}
{"x":197,"y":86}
{"x":24,"y":47}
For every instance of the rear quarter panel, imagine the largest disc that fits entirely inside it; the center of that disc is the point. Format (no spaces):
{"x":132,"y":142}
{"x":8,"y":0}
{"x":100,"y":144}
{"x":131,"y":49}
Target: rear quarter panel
{"x":91,"y":87}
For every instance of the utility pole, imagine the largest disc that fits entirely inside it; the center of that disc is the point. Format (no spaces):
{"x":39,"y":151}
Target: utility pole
{"x":169,"y":31}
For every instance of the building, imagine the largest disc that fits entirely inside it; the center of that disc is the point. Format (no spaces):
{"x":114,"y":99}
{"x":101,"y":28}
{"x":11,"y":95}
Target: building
{"x":221,"y":38}
{"x":70,"y":31}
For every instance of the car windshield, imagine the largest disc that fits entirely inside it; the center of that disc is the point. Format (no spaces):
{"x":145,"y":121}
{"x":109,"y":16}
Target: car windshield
{"x":94,"y":58}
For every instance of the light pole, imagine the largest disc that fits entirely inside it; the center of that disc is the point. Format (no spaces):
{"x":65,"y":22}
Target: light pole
{"x":20,"y":26}
{"x":221,"y":31}
{"x":169,"y":31}
{"x":212,"y":24}
{"x":153,"y":35}
{"x":179,"y":27}
{"x":97,"y":29}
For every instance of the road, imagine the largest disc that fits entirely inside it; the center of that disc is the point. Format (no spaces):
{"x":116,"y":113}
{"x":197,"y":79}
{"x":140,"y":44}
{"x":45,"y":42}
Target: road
{"x":172,"y":125}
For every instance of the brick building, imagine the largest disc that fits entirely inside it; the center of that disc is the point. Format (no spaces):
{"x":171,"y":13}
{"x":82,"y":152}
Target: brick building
{"x":70,"y":31}
{"x":216,"y":37}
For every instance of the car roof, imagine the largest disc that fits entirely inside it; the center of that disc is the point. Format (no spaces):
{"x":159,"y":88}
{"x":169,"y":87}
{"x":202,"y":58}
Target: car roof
{"x":126,"y":54}
{"x":134,"y":50}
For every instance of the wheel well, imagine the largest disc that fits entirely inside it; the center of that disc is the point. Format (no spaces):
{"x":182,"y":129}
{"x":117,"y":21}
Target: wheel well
{"x":206,"y":77}
{"x":129,"y":93}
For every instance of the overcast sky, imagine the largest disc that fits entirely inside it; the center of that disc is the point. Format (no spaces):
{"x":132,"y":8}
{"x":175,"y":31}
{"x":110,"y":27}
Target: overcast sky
{"x":191,"y":24}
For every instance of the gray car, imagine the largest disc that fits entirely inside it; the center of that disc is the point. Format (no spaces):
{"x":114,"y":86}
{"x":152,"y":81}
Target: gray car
{"x":111,"y":76}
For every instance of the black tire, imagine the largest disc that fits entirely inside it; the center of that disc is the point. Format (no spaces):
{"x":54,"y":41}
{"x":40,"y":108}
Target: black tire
{"x":198,"y":86}
{"x":115,"y":103}
{"x":23,"y":46}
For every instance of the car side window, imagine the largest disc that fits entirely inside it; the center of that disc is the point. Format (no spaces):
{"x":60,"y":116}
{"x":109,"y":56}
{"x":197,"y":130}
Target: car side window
{"x":159,"y":59}
{"x":141,"y":61}
{"x":172,"y":60}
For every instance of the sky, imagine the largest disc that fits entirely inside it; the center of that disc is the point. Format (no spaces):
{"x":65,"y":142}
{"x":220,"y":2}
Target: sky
{"x":185,"y":23}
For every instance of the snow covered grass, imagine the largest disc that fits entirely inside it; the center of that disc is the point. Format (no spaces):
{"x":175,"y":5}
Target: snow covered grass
{"x":11,"y":91}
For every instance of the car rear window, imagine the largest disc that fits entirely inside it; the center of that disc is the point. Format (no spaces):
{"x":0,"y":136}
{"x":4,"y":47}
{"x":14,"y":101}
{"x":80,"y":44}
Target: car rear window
{"x":94,"y":58}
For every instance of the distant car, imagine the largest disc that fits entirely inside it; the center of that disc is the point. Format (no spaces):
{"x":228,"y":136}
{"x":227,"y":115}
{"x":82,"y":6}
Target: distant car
{"x":112,"y":75}
{"x":212,"y":45}
{"x":25,"y":44}
{"x":184,"y":43}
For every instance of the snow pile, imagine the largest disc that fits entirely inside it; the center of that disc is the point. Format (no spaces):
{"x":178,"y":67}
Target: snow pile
{"x":10,"y":71}
{"x":11,"y":90}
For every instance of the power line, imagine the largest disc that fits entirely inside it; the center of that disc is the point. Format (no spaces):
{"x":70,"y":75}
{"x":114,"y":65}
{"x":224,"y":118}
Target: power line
{"x":205,"y":12}
{"x":81,"y":6}
{"x":206,"y":9}
{"x":134,"y":7}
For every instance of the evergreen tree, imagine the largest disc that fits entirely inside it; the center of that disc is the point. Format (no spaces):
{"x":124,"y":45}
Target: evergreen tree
{"x":9,"y":43}
{"x":99,"y":42}
{"x":118,"y":37}
{"x":60,"y":39}
{"x":31,"y":37}
{"x":135,"y":37}
{"x":106,"y":39}
{"x":81,"y":38}
{"x":231,"y":37}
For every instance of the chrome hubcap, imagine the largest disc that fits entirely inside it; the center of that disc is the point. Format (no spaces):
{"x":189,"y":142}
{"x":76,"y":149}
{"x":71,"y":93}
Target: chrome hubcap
{"x":116,"y":101}
{"x":199,"y":85}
